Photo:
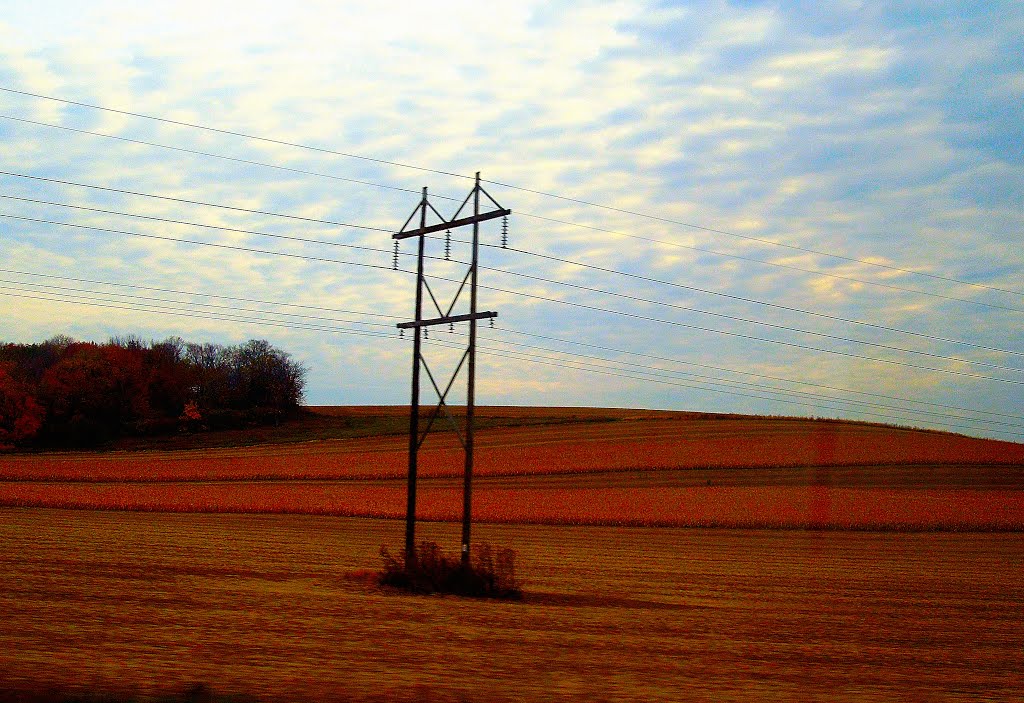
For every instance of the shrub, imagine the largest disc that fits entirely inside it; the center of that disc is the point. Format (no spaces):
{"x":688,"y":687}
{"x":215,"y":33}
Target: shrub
{"x":490,"y":573}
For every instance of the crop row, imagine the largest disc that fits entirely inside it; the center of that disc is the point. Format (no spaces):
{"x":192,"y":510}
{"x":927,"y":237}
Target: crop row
{"x":774,"y":507}
{"x":526,"y":451}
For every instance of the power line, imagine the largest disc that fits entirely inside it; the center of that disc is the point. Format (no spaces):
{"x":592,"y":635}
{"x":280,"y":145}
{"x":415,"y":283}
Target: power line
{"x":114,"y":297}
{"x":731,"y":296}
{"x":775,"y":264}
{"x":718,"y":390}
{"x":655,"y":372}
{"x":216,"y":130}
{"x":66,"y":294}
{"x":796,"y":345}
{"x":526,"y":214}
{"x":564,"y":283}
{"x":199,"y":243}
{"x":147,"y":302}
{"x":787,"y":328}
{"x":147,"y":308}
{"x":198,"y":315}
{"x":600,"y":290}
{"x":194,"y":202}
{"x":760,"y":240}
{"x":744,"y":373}
{"x":197,"y":152}
{"x":657,"y":378}
{"x":153,"y":218}
{"x":207,"y":295}
{"x":539,"y":297}
{"x":609,"y":208}
{"x":500,"y":329}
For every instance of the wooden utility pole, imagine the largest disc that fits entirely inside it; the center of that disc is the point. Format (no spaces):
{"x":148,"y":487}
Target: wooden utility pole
{"x":419,"y":325}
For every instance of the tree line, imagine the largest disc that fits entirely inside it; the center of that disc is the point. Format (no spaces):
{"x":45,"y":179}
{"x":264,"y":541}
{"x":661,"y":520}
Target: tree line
{"x":63,"y":392}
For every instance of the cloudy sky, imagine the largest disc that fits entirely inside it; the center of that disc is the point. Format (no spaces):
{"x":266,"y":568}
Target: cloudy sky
{"x":770,"y":207}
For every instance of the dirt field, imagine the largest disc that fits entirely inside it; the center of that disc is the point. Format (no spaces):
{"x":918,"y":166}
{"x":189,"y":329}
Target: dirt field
{"x":265,"y":605}
{"x":234,"y":566}
{"x":569,"y":466}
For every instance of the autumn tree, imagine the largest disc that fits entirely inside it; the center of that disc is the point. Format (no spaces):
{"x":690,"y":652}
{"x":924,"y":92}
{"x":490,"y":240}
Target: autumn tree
{"x":265,"y":377}
{"x":21,"y":416}
{"x":92,"y":392}
{"x":75,"y":393}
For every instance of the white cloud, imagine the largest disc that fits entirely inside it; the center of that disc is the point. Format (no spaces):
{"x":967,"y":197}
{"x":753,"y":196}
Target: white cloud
{"x":838,"y":129}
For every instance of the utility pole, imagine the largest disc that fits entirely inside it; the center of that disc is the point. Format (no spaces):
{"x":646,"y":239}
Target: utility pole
{"x":419,"y":325}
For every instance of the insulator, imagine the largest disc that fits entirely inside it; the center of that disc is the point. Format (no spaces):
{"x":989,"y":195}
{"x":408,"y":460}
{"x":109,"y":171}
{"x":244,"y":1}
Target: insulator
{"x":426,"y":334}
{"x":504,"y":232}
{"x":492,"y":323}
{"x":451,"y":327}
{"x":448,"y":245}
{"x":401,"y":331}
{"x":394,"y":261}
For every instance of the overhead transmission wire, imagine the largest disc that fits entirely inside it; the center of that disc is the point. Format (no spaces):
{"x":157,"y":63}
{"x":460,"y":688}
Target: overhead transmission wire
{"x":517,"y":332}
{"x":583,"y":202}
{"x":208,"y":154}
{"x":656,"y":372}
{"x":771,"y":242}
{"x":196,"y":293}
{"x":64,"y":290}
{"x":199,"y":315}
{"x":196,"y":202}
{"x":816,"y":272}
{"x":150,"y":303}
{"x":622,"y":313}
{"x":934,"y":338}
{"x":512,"y":186}
{"x":736,"y":318}
{"x":532,"y":358}
{"x":513,"y":355}
{"x":597,"y":290}
{"x":792,"y":267}
{"x":153,"y":218}
{"x":731,"y":296}
{"x":775,"y":264}
{"x":726,"y":369}
{"x":195,"y":242}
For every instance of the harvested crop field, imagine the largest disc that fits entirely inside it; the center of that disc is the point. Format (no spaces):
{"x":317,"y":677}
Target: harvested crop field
{"x":275,"y":606}
{"x":570,"y":466}
{"x":847,"y":562}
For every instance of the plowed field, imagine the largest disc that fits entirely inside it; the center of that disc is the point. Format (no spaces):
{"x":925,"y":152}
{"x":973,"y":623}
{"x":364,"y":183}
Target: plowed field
{"x":902,"y":583}
{"x":273,"y":606}
{"x":606,"y":467}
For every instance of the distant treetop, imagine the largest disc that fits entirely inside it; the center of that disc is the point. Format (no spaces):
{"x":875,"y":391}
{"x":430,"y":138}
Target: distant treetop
{"x":62,"y":392}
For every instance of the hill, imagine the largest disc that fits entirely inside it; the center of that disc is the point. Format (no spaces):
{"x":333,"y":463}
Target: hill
{"x":561,"y":465}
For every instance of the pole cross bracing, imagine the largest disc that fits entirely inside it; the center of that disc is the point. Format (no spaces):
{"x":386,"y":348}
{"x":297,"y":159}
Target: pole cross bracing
{"x":419,"y":326}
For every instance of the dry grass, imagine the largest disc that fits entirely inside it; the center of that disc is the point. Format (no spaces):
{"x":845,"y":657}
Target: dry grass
{"x":274,"y":606}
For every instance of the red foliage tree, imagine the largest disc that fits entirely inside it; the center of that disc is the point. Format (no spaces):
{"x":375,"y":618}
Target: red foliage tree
{"x":92,"y":391}
{"x":21,"y":417}
{"x":73,"y":393}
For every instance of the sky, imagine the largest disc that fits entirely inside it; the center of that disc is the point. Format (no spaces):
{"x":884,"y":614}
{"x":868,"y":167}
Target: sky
{"x":780,"y":208}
